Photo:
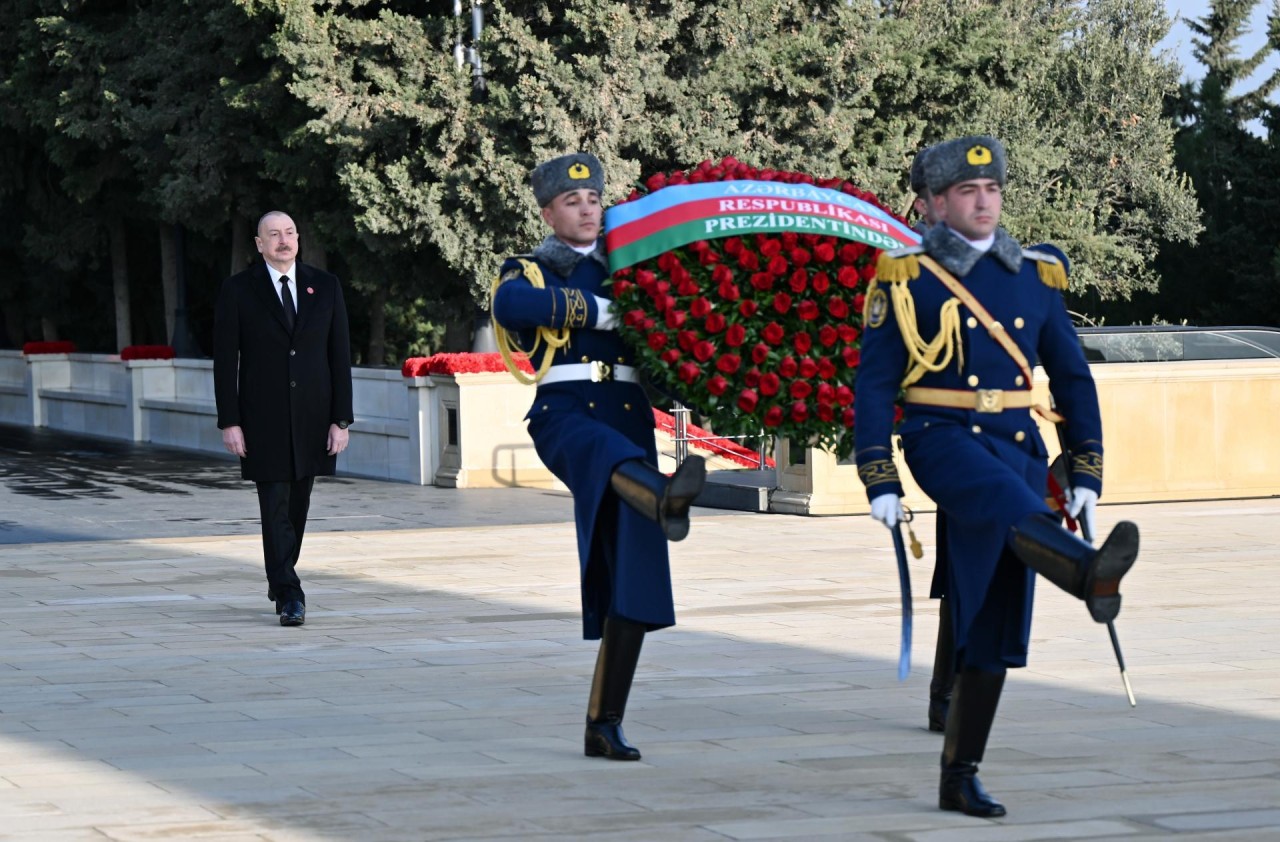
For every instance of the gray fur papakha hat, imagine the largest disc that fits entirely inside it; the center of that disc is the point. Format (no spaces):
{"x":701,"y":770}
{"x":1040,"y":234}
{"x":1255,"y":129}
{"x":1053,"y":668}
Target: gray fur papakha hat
{"x":917,"y":171}
{"x":568,"y":172}
{"x":962,"y":159}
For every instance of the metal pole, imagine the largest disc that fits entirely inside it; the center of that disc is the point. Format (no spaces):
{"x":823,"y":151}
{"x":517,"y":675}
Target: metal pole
{"x":681,"y":432}
{"x":479,"y":87}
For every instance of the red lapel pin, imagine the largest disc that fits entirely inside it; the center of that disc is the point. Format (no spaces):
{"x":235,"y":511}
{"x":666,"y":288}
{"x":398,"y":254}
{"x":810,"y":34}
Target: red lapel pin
{"x":310,"y":291}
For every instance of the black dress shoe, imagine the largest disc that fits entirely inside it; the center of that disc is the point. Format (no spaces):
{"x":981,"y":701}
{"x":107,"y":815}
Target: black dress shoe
{"x":961,"y":790}
{"x":605,"y":739}
{"x":293,"y":613}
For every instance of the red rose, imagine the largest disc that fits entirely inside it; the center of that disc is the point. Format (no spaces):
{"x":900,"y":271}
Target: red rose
{"x":699,"y":247}
{"x":729,"y":363}
{"x":668,"y":261}
{"x":867,"y":272}
{"x":721,"y":273}
{"x":844,"y":396}
{"x":699,"y":307}
{"x":852,"y":356}
{"x":621,"y":288}
{"x":826,"y":412}
{"x":747,"y":400}
{"x":703,"y":351}
{"x":663,"y":303}
{"x":799,"y":281}
{"x":645,"y":279}
{"x":759,"y":353}
{"x":729,"y":291}
{"x":657,"y":340}
{"x":687,"y":287}
{"x":655,"y":182}
{"x":847,"y":276}
{"x":782,"y":302}
{"x":689,"y":372}
{"x":732,"y":246}
{"x":715,"y":322}
{"x":680,"y":275}
{"x":769,"y":383}
{"x":752,"y":378}
{"x":648,"y":323}
{"x":686,"y":339}
{"x":762,"y":281}
{"x":821,"y":282}
{"x":709,"y":257}
{"x":717,"y":385}
{"x":826,"y":368}
{"x":633,"y":317}
{"x":828,"y":336}
{"x":838,"y":307}
{"x":824,"y":253}
{"x":770,"y":247}
{"x":788,"y":367}
{"x":850,"y":252}
{"x":799,"y":411}
{"x":848,"y":333}
{"x":748,"y":260}
{"x":826,"y":393}
{"x":800,"y":257}
{"x":748,"y":308}
{"x":859,"y":301}
{"x":897,"y":414}
{"x":773,"y":333}
{"x":778,"y":265}
{"x":802,"y":343}
{"x":773,"y":417}
{"x":800,"y":389}
{"x":675,"y":318}
{"x":848,"y":417}
{"x":789,"y":239}
{"x":808,"y":368}
{"x":809,"y":310}
{"x":735,"y":336}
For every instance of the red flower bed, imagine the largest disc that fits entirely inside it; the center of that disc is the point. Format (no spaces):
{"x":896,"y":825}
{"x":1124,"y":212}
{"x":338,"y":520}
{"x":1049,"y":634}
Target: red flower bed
{"x":458,"y":364}
{"x":759,"y":331}
{"x":147,"y":352}
{"x":62,"y":346}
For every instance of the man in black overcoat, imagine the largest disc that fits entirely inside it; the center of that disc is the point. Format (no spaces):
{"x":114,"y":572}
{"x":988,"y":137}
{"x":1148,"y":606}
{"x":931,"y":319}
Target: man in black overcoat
{"x":282,"y":380}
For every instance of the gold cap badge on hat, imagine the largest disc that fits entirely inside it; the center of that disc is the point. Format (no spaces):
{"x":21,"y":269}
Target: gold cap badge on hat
{"x":978,"y":156}
{"x":579,"y":171}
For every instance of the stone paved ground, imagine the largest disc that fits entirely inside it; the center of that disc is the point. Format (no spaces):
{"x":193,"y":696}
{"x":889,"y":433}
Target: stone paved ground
{"x":438,"y":689}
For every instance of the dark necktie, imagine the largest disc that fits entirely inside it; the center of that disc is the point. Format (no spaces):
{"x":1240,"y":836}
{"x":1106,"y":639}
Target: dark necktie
{"x":286,"y":298}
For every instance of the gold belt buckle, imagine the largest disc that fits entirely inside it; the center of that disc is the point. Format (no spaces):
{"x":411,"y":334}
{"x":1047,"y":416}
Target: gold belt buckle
{"x":989,"y":400}
{"x":600,"y":372}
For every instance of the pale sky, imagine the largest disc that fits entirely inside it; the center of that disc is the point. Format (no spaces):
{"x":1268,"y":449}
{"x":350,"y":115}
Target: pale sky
{"x":1179,"y":38}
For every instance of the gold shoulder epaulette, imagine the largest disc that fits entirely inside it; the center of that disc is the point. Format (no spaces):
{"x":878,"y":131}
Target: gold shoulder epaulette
{"x":1052,"y":273}
{"x":899,"y":265}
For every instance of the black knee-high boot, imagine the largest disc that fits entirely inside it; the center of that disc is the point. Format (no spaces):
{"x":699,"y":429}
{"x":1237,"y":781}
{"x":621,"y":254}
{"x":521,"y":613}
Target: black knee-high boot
{"x":615,"y":667}
{"x":1073,"y":565}
{"x":973,"y":709}
{"x":659,"y":497}
{"x":944,"y":669}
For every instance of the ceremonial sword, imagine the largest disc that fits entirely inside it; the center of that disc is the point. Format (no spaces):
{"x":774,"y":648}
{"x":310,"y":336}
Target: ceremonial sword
{"x":904,"y":585}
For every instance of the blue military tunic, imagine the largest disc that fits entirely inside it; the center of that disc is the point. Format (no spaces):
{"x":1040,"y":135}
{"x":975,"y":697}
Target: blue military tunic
{"x":985,"y":470}
{"x":583,"y":430}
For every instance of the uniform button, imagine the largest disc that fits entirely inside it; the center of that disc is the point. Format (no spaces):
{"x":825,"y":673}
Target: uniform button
{"x":545,"y":407}
{"x":977,"y":431}
{"x":627,"y":407}
{"x":591,"y":404}
{"x":293,"y":383}
{"x":972,"y":322}
{"x":997,"y":326}
{"x":1018,"y":381}
{"x":622,"y":359}
{"x":1019,"y":436}
{"x":1018,"y":322}
{"x":293,"y":353}
{"x":585,"y":358}
{"x":973,"y":380}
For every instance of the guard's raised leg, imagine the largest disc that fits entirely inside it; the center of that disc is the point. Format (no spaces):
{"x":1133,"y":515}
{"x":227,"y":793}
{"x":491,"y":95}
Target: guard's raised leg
{"x":1075,"y":566}
{"x":659,"y":497}
{"x":973,"y":708}
{"x":615,"y":667}
{"x":944,"y":669}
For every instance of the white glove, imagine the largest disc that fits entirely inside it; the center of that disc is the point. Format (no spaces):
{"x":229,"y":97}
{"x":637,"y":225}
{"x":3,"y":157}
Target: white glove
{"x":887,"y":508}
{"x":1082,"y":503}
{"x":605,"y":319}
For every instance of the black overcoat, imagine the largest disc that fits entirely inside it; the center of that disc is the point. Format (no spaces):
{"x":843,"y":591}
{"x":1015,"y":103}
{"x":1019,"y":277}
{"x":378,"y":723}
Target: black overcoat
{"x":282,"y":389}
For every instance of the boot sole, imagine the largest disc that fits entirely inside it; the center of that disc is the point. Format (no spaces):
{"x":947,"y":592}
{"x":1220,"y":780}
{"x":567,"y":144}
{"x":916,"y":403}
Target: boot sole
{"x":686,"y":484}
{"x":1114,"y":560}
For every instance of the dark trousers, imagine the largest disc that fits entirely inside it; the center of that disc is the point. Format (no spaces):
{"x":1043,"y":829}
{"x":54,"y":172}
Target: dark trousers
{"x":284,"y":508}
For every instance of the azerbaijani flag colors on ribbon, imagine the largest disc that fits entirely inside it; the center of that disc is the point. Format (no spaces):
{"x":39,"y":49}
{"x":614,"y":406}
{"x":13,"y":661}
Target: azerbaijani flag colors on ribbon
{"x":676,"y":216}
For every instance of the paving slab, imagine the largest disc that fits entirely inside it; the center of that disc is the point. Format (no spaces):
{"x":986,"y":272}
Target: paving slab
{"x":437,"y":691}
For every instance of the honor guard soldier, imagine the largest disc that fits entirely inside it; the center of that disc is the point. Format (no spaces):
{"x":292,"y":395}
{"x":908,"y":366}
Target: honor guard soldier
{"x":954,"y":322}
{"x":593,"y":427}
